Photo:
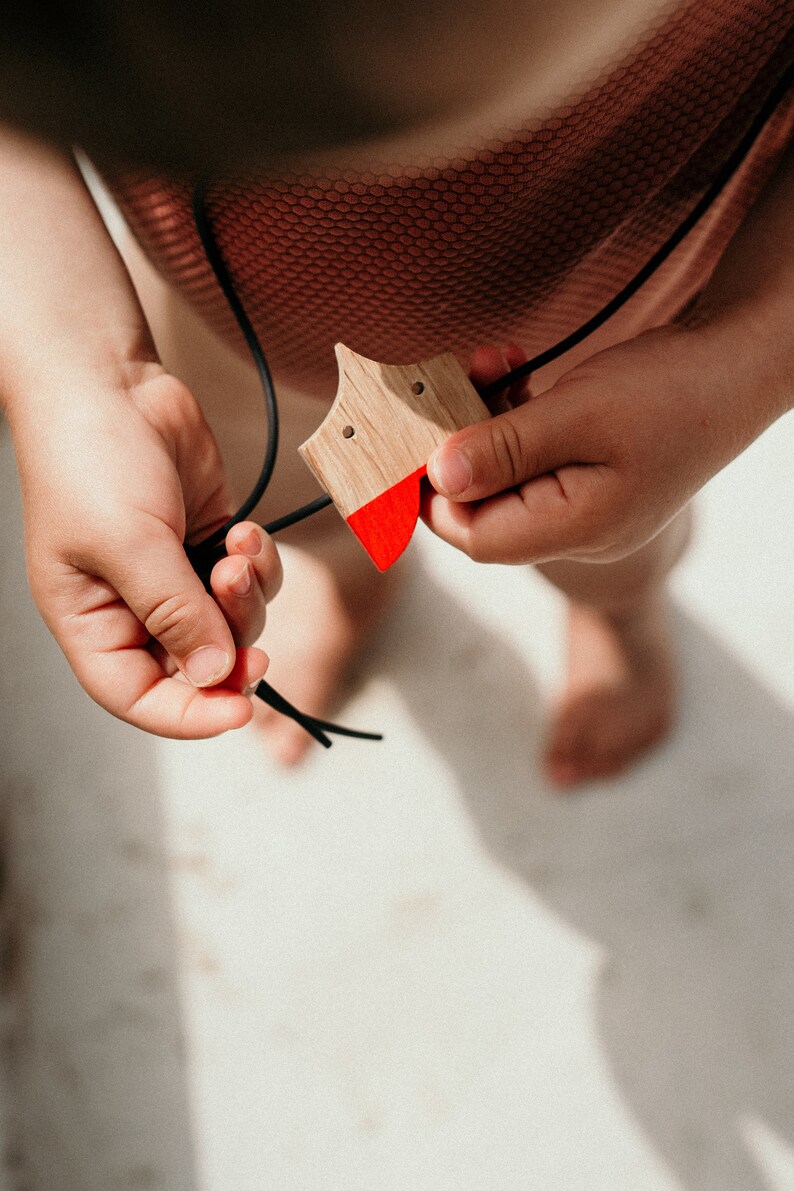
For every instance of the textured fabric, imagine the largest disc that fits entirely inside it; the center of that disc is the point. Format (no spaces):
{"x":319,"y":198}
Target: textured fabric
{"x":519,"y":235}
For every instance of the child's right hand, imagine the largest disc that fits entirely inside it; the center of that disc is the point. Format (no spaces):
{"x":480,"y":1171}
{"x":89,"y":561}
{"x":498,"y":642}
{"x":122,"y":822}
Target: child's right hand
{"x":114,"y":480}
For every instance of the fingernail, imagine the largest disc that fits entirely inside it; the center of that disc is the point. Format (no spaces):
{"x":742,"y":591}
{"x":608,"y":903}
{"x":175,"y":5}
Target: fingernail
{"x":241,"y":584}
{"x":206,"y":665}
{"x":252,"y":544}
{"x":451,"y":471}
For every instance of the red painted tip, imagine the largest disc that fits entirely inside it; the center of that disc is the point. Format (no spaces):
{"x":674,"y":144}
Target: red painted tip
{"x":386,"y":524}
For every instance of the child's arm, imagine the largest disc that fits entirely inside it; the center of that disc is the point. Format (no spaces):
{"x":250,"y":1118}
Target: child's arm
{"x":598,"y":464}
{"x":117,"y":467}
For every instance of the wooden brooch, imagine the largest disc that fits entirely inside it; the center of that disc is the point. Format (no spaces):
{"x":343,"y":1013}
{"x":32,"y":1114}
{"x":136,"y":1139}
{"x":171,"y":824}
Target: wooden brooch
{"x":371,"y":451}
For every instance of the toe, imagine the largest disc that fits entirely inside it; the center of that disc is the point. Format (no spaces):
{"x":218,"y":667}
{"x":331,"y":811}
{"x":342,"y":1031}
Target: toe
{"x":287,"y":741}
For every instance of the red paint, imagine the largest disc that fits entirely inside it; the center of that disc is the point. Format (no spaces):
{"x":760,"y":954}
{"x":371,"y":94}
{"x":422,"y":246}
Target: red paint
{"x":386,"y":524}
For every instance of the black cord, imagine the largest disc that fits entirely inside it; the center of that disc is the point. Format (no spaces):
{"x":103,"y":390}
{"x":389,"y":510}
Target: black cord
{"x":724,"y":176}
{"x":211,"y":549}
{"x":218,"y":264}
{"x":314,"y":506}
{"x":204,"y":556}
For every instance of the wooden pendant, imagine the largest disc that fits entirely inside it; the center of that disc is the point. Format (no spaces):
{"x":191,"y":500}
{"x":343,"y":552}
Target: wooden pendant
{"x":371,"y":451}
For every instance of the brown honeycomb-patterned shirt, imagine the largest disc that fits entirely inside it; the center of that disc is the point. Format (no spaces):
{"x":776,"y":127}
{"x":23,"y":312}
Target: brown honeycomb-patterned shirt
{"x":519,"y":234}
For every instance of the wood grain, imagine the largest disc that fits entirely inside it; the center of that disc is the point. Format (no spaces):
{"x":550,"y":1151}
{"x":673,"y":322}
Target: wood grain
{"x":394,"y":427}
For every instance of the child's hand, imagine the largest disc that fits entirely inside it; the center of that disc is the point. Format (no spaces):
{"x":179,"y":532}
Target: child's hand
{"x":113,"y":483}
{"x":597,"y":465}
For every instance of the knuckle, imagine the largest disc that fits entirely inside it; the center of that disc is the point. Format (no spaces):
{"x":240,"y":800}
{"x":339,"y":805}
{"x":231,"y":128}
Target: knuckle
{"x":479,"y":549}
{"x":509,"y":450}
{"x":586,"y":530}
{"x":166,"y":399}
{"x":474,"y":550}
{"x":172,"y":619}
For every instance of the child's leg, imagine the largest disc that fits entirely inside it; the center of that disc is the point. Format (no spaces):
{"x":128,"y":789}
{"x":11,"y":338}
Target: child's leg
{"x":332,"y":600}
{"x":620,"y":694}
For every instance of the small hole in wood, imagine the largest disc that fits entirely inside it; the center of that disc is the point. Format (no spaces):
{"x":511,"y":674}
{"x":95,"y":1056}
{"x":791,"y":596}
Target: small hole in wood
{"x":347,"y":432}
{"x":417,"y":387}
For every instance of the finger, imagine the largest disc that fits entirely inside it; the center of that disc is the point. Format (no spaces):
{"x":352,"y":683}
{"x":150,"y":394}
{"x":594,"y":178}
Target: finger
{"x":240,"y":598}
{"x":132,"y":685}
{"x":547,"y":518}
{"x":250,"y":666}
{"x":155,"y":579}
{"x":549,"y":432}
{"x":129,"y":674}
{"x":246,"y":580}
{"x":249,"y":540}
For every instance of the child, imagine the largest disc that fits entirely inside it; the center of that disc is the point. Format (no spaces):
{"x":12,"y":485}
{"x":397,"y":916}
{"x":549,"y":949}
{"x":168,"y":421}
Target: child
{"x":446,"y":177}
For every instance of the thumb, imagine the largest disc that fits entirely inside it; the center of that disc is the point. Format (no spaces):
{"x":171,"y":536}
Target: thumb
{"x":546,"y":433}
{"x":158,"y":584}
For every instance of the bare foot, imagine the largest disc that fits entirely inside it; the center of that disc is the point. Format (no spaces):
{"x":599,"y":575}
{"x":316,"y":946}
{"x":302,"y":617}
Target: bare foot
{"x":329,"y":605}
{"x":620,"y":696}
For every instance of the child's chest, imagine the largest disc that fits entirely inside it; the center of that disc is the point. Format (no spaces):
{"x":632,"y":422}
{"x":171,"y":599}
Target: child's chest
{"x":480,"y":239}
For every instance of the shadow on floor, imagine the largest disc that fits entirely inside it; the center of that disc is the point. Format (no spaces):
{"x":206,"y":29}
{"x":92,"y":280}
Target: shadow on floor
{"x":682,"y":873}
{"x":99,"y":1095}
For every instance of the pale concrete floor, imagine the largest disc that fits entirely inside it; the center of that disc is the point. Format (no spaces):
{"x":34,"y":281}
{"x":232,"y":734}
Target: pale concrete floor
{"x":411,"y":967}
